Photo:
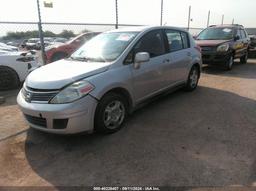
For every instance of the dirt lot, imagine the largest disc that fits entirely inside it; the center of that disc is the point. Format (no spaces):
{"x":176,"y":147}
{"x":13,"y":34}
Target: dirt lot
{"x":203,"y":138}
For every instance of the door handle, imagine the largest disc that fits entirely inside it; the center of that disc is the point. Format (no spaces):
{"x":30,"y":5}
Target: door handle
{"x":166,"y":60}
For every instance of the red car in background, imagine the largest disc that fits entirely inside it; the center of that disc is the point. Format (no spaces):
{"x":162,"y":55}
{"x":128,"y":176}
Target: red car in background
{"x":60,"y":51}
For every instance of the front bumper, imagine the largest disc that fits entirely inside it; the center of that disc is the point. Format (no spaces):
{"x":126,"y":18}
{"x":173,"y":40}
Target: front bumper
{"x":73,"y":117}
{"x":215,"y":58}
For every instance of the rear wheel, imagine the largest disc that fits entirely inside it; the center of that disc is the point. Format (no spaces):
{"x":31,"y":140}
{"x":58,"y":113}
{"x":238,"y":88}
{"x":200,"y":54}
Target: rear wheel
{"x":244,"y":58}
{"x":8,"y":78}
{"x":58,"y":56}
{"x":110,"y":114}
{"x":193,"y":78}
{"x":229,"y":63}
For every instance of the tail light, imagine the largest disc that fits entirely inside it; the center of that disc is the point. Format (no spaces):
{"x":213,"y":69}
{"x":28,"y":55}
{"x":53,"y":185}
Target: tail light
{"x":198,"y":48}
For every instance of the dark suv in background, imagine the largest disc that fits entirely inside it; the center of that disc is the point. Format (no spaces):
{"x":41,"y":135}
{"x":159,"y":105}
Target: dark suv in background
{"x":221,"y":44}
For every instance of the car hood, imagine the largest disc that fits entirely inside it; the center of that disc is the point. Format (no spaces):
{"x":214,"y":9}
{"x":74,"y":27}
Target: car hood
{"x":56,"y":45}
{"x":63,"y":72}
{"x":210,"y":42}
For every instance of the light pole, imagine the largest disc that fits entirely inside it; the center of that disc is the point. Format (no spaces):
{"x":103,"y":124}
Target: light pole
{"x":189,"y":15}
{"x":161,"y":17}
{"x":208,"y":18}
{"x":116,"y":14}
{"x":40,"y":32}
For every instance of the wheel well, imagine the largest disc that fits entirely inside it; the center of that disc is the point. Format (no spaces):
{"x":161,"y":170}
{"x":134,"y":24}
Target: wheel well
{"x":9,"y":68}
{"x":123,"y":92}
{"x":198,"y":67}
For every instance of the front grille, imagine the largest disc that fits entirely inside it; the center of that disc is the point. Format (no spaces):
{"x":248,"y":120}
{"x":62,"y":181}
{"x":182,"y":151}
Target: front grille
{"x":206,"y":56}
{"x":36,"y":120}
{"x":208,"y":48}
{"x":42,"y":96}
{"x":31,"y":95}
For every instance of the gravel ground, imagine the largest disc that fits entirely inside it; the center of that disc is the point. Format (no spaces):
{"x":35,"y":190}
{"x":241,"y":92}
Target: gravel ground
{"x":203,"y":138}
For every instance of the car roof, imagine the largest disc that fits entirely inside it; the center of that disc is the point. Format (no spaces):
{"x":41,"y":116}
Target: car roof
{"x":227,"y":25}
{"x":144,"y":28}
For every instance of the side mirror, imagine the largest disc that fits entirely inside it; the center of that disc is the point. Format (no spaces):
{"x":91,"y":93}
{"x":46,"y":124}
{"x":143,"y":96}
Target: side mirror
{"x":140,"y":58}
{"x":236,"y":38}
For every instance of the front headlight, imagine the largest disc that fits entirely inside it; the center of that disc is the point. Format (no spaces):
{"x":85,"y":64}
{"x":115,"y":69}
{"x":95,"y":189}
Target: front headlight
{"x":223,"y":48}
{"x":73,"y":92}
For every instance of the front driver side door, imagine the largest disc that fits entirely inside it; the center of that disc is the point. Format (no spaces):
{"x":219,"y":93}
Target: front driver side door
{"x":148,"y":79}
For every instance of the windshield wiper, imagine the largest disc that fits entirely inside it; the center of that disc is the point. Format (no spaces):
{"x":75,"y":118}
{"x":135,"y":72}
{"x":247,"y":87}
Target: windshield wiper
{"x":96,"y":59}
{"x":84,"y":59}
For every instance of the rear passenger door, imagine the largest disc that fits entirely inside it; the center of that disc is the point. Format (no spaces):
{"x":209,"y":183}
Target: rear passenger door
{"x":179,"y":54}
{"x":245,"y":40}
{"x":238,"y":44}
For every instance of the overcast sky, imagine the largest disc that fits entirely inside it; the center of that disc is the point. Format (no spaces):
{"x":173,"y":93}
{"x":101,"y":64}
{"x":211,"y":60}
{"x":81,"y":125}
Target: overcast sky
{"x":133,"y":11}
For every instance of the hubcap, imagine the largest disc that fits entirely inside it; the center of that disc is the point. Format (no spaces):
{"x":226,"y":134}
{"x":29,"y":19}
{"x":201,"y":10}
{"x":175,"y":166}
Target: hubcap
{"x":114,"y":114}
{"x":193,"y":78}
{"x":230,"y":62}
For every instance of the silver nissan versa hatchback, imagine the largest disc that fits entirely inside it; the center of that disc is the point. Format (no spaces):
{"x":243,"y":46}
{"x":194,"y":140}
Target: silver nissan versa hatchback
{"x":107,"y":78}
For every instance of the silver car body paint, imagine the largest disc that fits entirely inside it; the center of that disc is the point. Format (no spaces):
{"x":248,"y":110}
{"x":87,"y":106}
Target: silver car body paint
{"x":157,"y":75}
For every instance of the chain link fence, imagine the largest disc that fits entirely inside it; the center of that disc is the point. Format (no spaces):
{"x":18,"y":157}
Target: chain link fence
{"x":116,"y":11}
{"x":13,"y":33}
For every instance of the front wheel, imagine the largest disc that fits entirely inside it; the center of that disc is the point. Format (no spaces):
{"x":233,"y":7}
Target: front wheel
{"x":193,"y":78}
{"x":229,"y":63}
{"x":8,"y":78}
{"x":243,"y":59}
{"x":110,"y":114}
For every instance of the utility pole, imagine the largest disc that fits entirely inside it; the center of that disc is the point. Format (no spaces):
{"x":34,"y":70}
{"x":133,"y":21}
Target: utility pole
{"x":233,"y":21}
{"x":189,"y":14}
{"x":208,"y":19}
{"x":222,"y":20}
{"x":40,"y":32}
{"x":116,"y":14}
{"x":161,"y":18}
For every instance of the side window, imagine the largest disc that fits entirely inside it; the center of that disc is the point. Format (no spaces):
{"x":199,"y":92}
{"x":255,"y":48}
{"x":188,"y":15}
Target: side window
{"x":243,"y":34}
{"x":174,"y":40}
{"x":152,"y":43}
{"x":185,"y":40}
{"x":238,"y":33}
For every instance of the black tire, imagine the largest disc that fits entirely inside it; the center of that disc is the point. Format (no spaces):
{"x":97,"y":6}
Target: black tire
{"x":243,"y":59}
{"x":58,"y":56}
{"x":229,"y":63}
{"x":102,"y":114}
{"x":193,"y":78}
{"x":8,"y":78}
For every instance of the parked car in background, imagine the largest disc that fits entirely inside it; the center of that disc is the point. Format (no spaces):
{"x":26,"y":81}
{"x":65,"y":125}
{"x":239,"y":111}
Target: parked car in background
{"x":22,"y":45}
{"x":59,"y":40}
{"x":108,"y":77}
{"x":31,"y":43}
{"x":221,"y":44}
{"x":252,"y":46}
{"x":14,"y":68}
{"x":47,"y":42}
{"x":59,"y":51}
{"x":13,"y":43}
{"x":6,"y":47}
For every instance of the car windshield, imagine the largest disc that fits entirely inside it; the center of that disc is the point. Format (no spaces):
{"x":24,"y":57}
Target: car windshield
{"x":105,"y":47}
{"x":216,"y":34}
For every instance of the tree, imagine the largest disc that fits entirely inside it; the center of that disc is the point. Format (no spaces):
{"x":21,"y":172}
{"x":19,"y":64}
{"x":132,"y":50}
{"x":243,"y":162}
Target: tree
{"x":66,"y":34}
